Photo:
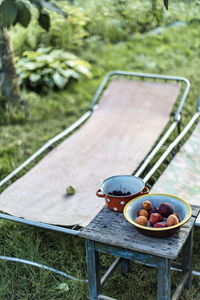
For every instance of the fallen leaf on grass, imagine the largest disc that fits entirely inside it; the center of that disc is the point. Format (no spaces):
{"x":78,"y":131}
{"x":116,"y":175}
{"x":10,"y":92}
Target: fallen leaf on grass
{"x":63,"y":287}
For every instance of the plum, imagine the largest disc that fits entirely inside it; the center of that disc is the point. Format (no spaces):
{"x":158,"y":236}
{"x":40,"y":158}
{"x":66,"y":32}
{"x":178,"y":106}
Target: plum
{"x":154,"y":218}
{"x":172,"y":220}
{"x":165,"y":209}
{"x":147,"y":204}
{"x":160,"y":225}
{"x":141,"y":220}
{"x":143,"y":212}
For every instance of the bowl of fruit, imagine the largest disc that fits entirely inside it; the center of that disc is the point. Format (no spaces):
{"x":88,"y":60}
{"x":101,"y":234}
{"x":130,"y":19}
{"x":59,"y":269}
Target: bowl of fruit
{"x":157,"y":215}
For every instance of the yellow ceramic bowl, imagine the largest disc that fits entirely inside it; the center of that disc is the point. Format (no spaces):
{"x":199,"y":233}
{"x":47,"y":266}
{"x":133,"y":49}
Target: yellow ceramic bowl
{"x":179,"y":205}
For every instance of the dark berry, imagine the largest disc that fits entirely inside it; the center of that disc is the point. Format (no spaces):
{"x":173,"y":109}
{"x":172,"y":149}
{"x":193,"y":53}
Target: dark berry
{"x":115,"y":193}
{"x":154,"y":210}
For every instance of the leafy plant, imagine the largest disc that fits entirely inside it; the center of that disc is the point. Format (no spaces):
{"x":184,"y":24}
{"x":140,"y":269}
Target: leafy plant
{"x":110,"y":20}
{"x":64,"y":33}
{"x":20,"y":11}
{"x":46,"y":69}
{"x":67,"y":34}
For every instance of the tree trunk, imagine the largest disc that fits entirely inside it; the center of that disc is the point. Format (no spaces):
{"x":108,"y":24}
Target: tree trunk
{"x":8,"y":76}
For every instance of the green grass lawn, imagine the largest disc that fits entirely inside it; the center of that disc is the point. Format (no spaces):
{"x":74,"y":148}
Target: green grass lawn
{"x":174,"y":51}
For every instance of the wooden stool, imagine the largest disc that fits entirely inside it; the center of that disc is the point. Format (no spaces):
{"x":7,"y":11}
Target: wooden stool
{"x":110,"y":233}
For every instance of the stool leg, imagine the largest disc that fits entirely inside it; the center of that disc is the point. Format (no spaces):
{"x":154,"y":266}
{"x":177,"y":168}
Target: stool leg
{"x":164,"y":279}
{"x":125,"y":266}
{"x":93,"y":267}
{"x":187,"y":258}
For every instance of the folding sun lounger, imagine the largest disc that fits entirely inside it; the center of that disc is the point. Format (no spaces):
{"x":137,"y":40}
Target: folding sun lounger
{"x":117,"y":136}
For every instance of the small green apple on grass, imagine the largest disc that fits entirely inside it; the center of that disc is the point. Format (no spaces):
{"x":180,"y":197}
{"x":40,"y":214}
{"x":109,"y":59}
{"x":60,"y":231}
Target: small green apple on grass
{"x":70,"y":190}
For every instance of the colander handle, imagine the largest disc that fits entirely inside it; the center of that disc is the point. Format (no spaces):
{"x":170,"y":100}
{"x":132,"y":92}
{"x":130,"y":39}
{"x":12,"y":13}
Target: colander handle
{"x":100,"y":194}
{"x":144,"y":191}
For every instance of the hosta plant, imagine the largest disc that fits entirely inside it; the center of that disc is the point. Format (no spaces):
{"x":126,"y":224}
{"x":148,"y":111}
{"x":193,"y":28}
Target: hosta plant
{"x":46,"y":69}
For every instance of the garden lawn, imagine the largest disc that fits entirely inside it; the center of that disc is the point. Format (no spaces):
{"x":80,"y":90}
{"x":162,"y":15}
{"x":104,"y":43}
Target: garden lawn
{"x":174,"y":51}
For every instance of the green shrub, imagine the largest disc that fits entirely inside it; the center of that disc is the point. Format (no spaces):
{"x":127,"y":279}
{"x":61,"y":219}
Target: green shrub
{"x":108,"y":20}
{"x":116,"y":20}
{"x":47,"y":69}
{"x":65,"y":33}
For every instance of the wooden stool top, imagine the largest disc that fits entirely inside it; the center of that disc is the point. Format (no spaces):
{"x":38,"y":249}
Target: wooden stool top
{"x":112,"y":229}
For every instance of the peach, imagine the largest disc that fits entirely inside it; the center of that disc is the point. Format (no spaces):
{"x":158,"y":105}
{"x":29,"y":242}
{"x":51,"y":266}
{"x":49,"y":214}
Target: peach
{"x":141,"y":220}
{"x":147,"y":204}
{"x":172,"y":220}
{"x":154,"y":218}
{"x":143,"y":212}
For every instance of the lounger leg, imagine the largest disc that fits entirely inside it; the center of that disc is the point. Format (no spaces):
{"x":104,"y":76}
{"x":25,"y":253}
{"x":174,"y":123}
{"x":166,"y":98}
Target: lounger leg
{"x":187,"y":258}
{"x":93,"y":266}
{"x":164,"y":280}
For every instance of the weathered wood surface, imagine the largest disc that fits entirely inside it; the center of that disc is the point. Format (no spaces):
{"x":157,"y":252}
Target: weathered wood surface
{"x":182,"y":176}
{"x":114,"y":140}
{"x":112,"y":229}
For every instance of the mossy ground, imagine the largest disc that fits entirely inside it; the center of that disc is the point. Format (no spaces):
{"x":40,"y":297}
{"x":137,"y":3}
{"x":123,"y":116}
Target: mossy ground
{"x":174,"y":51}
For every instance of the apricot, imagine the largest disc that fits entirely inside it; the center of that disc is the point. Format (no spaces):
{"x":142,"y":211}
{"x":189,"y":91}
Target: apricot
{"x":175,"y":213}
{"x":147,"y":205}
{"x":154,"y":218}
{"x":172,"y":220}
{"x":143,"y":212}
{"x":141,"y":220}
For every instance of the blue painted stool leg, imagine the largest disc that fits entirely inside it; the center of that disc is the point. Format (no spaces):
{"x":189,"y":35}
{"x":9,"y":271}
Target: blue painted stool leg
{"x":125,"y":266}
{"x":164,"y":280}
{"x":187,"y":258}
{"x":93,"y":266}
